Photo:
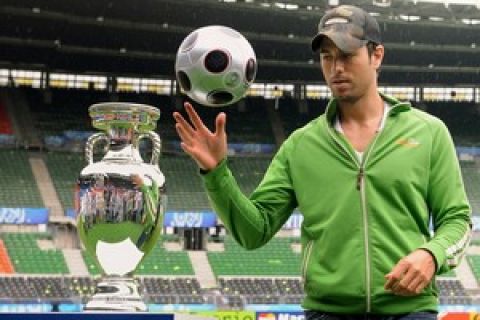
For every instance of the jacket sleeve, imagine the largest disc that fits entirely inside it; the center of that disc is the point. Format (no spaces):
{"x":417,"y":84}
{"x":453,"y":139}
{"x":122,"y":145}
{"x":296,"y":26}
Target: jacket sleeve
{"x":253,"y":220}
{"x":447,"y":202}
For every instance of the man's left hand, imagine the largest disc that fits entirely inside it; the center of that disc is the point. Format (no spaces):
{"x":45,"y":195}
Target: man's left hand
{"x":411,"y":274}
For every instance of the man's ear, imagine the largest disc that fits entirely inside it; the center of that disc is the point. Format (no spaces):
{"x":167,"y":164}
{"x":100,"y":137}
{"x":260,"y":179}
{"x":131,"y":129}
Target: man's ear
{"x":377,"y":56}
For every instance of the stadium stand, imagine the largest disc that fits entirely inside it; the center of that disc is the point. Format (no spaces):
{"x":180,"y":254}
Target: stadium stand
{"x":262,"y":291}
{"x":173,"y":290}
{"x":474,"y":261}
{"x":27,"y":257}
{"x":13,"y":288}
{"x":291,"y":116}
{"x":17,"y":183}
{"x":431,"y":53}
{"x":67,"y":109}
{"x":74,"y":289}
{"x":250,"y":123}
{"x":159,"y":262}
{"x":168,"y":284}
{"x":461,"y":119}
{"x":163,"y":262}
{"x":471,"y":178}
{"x":249,"y":171}
{"x":57,"y":110}
{"x":91,"y":264}
{"x":80,"y":287}
{"x":64,"y":169}
{"x":184,"y":187}
{"x":290,"y":291}
{"x":452,"y":292}
{"x":276,"y":258}
{"x":5,"y":123}
{"x":5,"y":263}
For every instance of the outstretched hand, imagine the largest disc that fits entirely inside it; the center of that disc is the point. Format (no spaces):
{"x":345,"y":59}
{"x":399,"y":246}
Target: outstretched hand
{"x":411,"y":274}
{"x":207,"y":148}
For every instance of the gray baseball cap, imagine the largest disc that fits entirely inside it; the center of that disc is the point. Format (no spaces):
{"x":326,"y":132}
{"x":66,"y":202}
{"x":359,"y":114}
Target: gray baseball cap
{"x":349,"y":27}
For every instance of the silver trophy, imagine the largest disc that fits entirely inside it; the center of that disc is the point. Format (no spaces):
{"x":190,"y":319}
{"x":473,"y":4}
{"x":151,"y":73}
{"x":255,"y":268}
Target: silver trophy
{"x":120,"y":202}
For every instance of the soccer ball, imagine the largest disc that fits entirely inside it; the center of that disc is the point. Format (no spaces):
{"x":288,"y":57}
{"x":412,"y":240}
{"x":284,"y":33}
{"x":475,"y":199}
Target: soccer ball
{"x":215,"y":65}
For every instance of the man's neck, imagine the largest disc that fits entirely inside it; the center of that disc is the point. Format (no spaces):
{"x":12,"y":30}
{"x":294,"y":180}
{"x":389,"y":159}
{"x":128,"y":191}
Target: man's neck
{"x":362,"y":111}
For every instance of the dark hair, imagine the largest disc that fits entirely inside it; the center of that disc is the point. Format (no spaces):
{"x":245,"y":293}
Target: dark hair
{"x":371,"y":47}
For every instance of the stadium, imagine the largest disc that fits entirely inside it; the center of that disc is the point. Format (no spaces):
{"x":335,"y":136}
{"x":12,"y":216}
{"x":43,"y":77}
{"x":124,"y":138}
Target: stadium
{"x":58,"y":58}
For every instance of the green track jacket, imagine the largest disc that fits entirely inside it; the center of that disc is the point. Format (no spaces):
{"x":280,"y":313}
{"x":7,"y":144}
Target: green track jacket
{"x":360,"y":218}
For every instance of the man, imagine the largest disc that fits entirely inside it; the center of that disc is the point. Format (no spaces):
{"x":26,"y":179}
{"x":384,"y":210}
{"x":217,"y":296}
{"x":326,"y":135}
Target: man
{"x":368,"y":175}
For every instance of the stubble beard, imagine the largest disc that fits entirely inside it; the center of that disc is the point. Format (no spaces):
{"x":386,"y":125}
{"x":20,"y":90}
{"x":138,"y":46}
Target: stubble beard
{"x":349,"y":99}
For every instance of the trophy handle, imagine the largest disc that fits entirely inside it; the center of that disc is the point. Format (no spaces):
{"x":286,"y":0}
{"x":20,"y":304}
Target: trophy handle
{"x":94,"y":138}
{"x":156,"y":145}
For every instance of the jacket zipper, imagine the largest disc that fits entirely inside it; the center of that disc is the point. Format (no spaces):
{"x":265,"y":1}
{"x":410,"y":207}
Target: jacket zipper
{"x":361,"y":187}
{"x":366,"y":236}
{"x":306,"y":259}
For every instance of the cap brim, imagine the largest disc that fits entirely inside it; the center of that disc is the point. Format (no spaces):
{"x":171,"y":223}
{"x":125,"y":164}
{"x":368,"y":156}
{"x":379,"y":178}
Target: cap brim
{"x":344,"y":41}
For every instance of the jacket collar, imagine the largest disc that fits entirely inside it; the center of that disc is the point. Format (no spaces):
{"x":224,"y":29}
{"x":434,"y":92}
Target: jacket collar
{"x":397,"y":106}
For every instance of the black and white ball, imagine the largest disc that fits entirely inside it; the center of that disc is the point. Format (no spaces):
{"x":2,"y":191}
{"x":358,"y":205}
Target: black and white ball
{"x":215,"y":65}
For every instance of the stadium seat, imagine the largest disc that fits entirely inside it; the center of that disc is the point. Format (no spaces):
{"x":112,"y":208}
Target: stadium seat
{"x":64,"y":170}
{"x":173,"y":290}
{"x":276,"y":258}
{"x":163,"y":262}
{"x":27,"y":257}
{"x":19,"y":188}
{"x":471,"y":178}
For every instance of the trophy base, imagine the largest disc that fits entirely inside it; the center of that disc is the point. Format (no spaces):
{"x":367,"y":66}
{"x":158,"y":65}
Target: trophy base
{"x":116,"y":294}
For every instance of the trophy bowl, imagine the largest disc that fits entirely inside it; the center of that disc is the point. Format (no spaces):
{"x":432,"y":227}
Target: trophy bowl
{"x":120,"y":202}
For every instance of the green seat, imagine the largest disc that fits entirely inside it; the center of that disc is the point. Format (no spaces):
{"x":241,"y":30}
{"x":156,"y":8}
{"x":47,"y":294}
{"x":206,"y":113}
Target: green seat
{"x":27,"y":257}
{"x":276,"y":258}
{"x":18,"y":185}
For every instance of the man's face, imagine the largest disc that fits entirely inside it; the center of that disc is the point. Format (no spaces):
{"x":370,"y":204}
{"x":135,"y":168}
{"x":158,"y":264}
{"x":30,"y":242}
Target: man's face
{"x":349,"y":75}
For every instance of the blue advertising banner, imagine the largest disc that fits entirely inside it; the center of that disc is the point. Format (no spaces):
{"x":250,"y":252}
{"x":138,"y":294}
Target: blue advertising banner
{"x":180,"y":219}
{"x":77,"y":135}
{"x":474,"y":151}
{"x":190,"y":219}
{"x":25,"y":307}
{"x":459,"y":308}
{"x":23,"y":215}
{"x":7,"y":139}
{"x":250,"y":148}
{"x":85,"y":316}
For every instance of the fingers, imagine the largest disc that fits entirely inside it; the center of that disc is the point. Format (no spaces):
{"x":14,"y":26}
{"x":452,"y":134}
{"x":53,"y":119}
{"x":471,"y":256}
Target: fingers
{"x":206,"y":148}
{"x":194,"y":117}
{"x":409,"y":283}
{"x":181,"y":122}
{"x":395,"y":275}
{"x":411,"y":274}
{"x":417,"y":285}
{"x":407,"y":279}
{"x":188,"y":149}
{"x":220,"y":123}
{"x":185,"y":135}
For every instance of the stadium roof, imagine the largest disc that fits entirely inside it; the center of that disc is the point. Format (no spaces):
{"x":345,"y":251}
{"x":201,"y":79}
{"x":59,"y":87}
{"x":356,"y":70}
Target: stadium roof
{"x":136,"y":37}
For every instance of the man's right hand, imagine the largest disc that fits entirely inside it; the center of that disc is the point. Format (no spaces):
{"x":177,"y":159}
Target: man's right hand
{"x":206,"y":148}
